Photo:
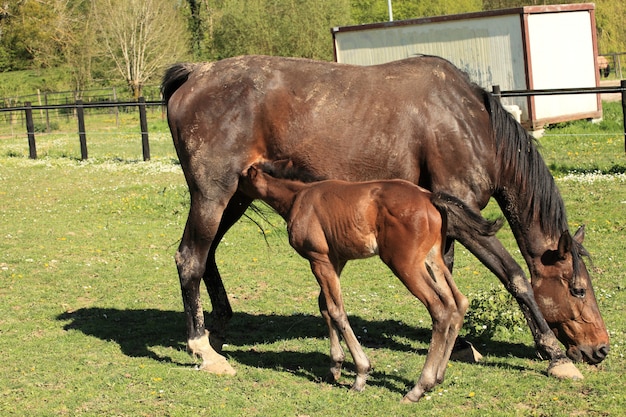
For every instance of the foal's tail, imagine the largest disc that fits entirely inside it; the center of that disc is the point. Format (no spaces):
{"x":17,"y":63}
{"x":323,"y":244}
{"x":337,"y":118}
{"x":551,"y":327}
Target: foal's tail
{"x":174,"y":77}
{"x":461,"y":219}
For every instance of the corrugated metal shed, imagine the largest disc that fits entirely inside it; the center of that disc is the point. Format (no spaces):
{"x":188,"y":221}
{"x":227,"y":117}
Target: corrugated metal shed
{"x":533,"y":47}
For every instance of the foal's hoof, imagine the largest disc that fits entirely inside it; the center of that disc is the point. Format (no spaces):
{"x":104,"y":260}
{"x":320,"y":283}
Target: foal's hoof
{"x":409,"y":399}
{"x":359,"y":383}
{"x":464,"y":351}
{"x":565,"y":370}
{"x":331,"y":378}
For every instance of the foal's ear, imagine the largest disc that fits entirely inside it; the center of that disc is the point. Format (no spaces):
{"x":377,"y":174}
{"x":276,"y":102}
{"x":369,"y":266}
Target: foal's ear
{"x":283,"y":164}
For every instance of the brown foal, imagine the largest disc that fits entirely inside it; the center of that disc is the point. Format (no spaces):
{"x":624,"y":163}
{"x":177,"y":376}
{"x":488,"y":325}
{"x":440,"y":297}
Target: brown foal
{"x":331,"y":222}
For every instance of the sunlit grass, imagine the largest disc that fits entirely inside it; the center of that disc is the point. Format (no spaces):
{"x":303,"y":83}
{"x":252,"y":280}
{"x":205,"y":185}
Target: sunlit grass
{"x":91,"y":319}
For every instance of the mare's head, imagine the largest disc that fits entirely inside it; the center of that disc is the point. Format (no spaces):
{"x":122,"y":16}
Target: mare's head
{"x":564,"y":293}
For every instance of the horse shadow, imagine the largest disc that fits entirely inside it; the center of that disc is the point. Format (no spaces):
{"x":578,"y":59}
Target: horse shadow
{"x":139,"y":332}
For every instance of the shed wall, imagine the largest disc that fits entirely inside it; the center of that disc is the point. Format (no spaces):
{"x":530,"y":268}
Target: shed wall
{"x":535,"y":47}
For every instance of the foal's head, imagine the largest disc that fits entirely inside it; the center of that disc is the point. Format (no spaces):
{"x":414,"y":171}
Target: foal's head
{"x":252,"y":183}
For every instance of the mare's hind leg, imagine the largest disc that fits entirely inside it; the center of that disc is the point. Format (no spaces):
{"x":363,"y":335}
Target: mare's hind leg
{"x":333,"y":311}
{"x":222,"y":311}
{"x":200,"y":231}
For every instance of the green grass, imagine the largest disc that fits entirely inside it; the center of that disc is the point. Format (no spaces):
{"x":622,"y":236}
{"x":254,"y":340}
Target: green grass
{"x":22,"y":83}
{"x":91,"y":319}
{"x":581,"y":146}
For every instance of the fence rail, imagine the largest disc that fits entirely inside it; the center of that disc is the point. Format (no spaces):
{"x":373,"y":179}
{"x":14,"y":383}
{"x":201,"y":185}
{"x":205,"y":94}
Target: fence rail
{"x":563,"y":91}
{"x":79,"y":106}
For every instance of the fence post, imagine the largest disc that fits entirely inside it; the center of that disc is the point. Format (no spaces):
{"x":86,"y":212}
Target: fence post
{"x":495,"y":90}
{"x":82,"y":136}
{"x":30,"y":129}
{"x":622,"y":84}
{"x":143,"y":122}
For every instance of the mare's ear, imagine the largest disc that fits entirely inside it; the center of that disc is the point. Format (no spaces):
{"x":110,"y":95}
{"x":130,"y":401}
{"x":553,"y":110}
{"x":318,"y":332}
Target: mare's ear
{"x":579,"y":236}
{"x":565,"y":244}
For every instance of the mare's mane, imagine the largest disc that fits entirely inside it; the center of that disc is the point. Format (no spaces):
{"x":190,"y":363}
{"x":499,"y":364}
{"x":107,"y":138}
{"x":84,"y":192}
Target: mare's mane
{"x":525,"y":184}
{"x":526,"y":190}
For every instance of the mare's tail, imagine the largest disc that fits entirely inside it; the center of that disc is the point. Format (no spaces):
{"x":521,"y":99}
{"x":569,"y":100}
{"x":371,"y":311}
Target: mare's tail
{"x":174,"y":77}
{"x":462,"y":217}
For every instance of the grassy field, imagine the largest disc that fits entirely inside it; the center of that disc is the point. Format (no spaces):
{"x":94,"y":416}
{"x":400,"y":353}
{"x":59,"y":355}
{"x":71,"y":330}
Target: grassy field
{"x":91,"y":319}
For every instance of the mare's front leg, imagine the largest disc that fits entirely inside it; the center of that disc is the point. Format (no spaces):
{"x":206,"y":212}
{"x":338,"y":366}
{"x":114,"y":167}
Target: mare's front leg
{"x":191,"y":258}
{"x":222,"y":311}
{"x":489,"y":250}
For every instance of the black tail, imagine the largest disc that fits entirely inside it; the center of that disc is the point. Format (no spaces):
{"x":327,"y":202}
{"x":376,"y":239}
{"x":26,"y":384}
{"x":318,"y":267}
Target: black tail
{"x":174,"y":77}
{"x":464,"y":219}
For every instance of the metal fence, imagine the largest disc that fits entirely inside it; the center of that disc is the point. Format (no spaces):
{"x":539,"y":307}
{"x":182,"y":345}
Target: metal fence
{"x":77,"y":110}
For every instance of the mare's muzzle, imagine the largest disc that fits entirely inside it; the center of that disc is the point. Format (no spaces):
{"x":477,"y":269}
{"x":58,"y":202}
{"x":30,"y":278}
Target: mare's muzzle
{"x":590,"y":354}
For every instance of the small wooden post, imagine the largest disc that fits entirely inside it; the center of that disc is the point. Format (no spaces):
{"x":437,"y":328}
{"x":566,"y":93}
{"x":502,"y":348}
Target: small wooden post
{"x":30,"y":129}
{"x":495,"y":90}
{"x":622,"y":84}
{"x":45,"y":100}
{"x":143,"y":122}
{"x":80,"y":114}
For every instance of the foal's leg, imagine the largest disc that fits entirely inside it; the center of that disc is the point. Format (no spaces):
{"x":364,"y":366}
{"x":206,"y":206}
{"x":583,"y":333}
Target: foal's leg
{"x":457,"y":315}
{"x":430,"y":286}
{"x":337,"y":355}
{"x":440,"y":305}
{"x":337,"y":320}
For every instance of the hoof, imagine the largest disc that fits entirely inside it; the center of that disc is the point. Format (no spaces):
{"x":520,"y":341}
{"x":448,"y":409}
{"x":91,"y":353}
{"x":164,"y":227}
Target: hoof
{"x":565,"y":370}
{"x":359,"y":383}
{"x":218,"y":367}
{"x":409,"y":399}
{"x":331,"y":378}
{"x":357,"y":387}
{"x":212,"y":361}
{"x":467,"y":354}
{"x":216,"y":342}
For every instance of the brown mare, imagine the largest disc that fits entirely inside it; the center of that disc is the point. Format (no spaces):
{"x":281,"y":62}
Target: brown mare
{"x":418,"y":119}
{"x":331,"y":222}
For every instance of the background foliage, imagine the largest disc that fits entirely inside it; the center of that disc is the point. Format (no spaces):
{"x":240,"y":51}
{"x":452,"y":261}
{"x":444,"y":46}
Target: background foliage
{"x":76,"y":35}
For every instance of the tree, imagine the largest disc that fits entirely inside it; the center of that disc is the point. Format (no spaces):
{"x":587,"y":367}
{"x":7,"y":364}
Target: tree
{"x":610,"y":22}
{"x":19,"y":33}
{"x":368,"y":11}
{"x":140,"y":37}
{"x":273,"y":27}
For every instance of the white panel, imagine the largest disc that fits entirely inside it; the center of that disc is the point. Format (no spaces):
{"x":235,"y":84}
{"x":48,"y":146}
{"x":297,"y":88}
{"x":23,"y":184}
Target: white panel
{"x":562,"y":56}
{"x":489,"y":49}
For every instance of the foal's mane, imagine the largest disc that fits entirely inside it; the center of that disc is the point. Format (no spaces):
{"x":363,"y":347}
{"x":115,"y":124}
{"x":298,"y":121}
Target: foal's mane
{"x":286,"y":169}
